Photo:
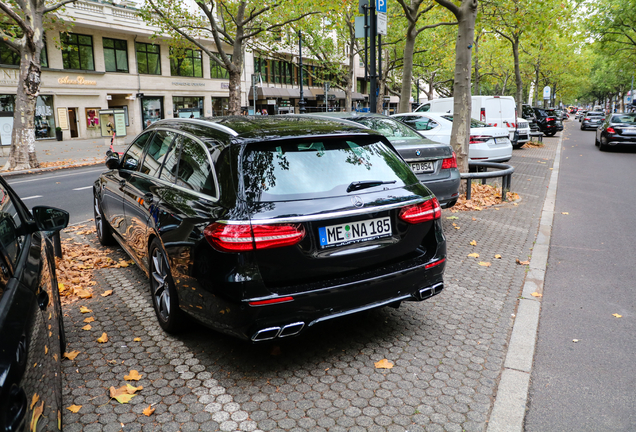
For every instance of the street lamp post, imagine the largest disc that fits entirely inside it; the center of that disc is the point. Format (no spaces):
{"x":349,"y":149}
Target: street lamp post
{"x":301,"y":102}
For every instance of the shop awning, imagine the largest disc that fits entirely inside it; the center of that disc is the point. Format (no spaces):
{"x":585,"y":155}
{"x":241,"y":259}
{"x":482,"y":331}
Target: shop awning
{"x":308,"y":94}
{"x":358,"y":96}
{"x":275,"y":93}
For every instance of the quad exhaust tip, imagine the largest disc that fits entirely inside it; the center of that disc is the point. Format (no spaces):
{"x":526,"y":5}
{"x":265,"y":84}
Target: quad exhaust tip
{"x":270,"y":333}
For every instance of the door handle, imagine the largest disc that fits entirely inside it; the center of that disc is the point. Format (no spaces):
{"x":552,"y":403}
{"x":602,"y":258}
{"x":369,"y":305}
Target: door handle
{"x":17,"y":409}
{"x":43,"y":300}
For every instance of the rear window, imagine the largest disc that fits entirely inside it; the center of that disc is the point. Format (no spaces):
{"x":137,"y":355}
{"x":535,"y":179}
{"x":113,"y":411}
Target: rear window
{"x":594,"y":114}
{"x":388,"y":127}
{"x":625,"y":118}
{"x":320,"y":168}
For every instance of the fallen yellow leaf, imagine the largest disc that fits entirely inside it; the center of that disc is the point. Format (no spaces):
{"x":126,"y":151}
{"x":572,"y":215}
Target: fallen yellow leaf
{"x":87,"y":327}
{"x":84,"y":294}
{"x":473,"y":243}
{"x":617,"y":315}
{"x":497,"y":256}
{"x":132,"y":389}
{"x":474,"y":219}
{"x":565,"y":213}
{"x":74,"y":408}
{"x":473,"y":255}
{"x":34,"y":400}
{"x":37,"y":412}
{"x":89,"y":320}
{"x":137,"y":339}
{"x":383,"y":364}
{"x":456,"y":227}
{"x":536,"y":294}
{"x":148,"y":411}
{"x":123,"y":394}
{"x":103,"y":338}
{"x":484,"y":264}
{"x":107,"y":293}
{"x":522,"y":262}
{"x":71,"y":355}
{"x":46,"y":350}
{"x":133,"y":376}
{"x":84,"y":309}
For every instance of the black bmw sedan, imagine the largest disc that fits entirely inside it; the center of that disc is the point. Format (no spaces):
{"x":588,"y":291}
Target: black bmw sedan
{"x":31,"y":324}
{"x":261,"y":227}
{"x":616,"y":130}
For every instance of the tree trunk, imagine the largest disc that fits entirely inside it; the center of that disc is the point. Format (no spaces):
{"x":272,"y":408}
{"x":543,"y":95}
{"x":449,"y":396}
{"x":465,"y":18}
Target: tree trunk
{"x":22,"y":155}
{"x":518,"y":80}
{"x":460,"y":133}
{"x":407,"y":70}
{"x":476,"y":89}
{"x":234,"y":102}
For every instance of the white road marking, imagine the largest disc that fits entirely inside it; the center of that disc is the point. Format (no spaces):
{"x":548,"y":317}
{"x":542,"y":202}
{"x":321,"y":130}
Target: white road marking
{"x":82,"y":188}
{"x":31,"y":197}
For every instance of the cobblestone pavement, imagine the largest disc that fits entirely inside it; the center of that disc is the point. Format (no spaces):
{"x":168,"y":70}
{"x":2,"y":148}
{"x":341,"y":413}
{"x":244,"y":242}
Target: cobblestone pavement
{"x":448,"y":351}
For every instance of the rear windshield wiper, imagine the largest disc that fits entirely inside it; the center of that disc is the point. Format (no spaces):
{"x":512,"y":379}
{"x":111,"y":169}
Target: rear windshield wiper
{"x":357,"y":185}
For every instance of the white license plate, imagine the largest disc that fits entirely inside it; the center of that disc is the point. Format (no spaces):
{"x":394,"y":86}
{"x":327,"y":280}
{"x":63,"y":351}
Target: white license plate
{"x":501,"y":140}
{"x":422,"y":167}
{"x":354,"y":231}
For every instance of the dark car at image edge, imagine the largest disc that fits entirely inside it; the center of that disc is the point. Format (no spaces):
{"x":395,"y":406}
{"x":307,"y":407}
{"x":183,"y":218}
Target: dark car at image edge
{"x":31,"y":325}
{"x":617,"y":130}
{"x":261,"y":227}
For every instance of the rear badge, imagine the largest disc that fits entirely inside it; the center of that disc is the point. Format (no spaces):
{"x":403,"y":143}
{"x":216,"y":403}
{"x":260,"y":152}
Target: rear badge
{"x":418,"y":152}
{"x":357,"y":201}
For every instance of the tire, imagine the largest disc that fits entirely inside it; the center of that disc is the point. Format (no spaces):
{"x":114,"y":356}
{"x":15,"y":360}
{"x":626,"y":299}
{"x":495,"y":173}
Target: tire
{"x":518,"y":146}
{"x":163,"y":291}
{"x":102,"y":227}
{"x":549,"y":134}
{"x":596,"y":141}
{"x":602,"y":147}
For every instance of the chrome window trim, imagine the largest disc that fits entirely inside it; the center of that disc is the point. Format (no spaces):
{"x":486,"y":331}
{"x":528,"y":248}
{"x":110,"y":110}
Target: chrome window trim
{"x":331,"y":215}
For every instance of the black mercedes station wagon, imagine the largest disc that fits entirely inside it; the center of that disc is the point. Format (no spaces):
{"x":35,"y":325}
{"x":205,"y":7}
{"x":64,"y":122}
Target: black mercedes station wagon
{"x":261,"y":227}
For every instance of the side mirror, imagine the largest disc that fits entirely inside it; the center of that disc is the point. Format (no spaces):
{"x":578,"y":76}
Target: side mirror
{"x":50,"y":218}
{"x":112,"y":160}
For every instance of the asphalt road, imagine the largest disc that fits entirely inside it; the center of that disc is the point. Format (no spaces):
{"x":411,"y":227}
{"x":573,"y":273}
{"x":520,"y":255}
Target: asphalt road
{"x":588,"y":384}
{"x":68,"y":189}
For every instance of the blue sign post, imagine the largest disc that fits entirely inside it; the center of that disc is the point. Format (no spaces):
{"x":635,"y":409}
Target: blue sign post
{"x":380,"y":5}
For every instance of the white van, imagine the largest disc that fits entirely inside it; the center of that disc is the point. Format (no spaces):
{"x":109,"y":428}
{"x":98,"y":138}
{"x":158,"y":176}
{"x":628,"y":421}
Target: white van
{"x":497,"y":111}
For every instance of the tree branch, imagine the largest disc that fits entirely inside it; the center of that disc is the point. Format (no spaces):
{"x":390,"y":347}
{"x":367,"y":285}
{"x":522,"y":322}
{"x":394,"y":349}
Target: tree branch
{"x":57,"y":6}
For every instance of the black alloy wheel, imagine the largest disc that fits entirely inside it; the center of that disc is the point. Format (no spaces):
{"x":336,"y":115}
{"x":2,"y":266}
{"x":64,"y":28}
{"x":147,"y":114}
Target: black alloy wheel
{"x":164,"y":294}
{"x":102,"y":227}
{"x":602,"y":146}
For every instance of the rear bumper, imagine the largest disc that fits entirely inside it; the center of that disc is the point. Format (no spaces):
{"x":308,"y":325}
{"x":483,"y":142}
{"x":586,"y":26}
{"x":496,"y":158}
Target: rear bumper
{"x":307,"y":309}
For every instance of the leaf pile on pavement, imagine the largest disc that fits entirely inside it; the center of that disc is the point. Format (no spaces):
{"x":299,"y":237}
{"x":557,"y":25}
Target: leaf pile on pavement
{"x":531,"y":144}
{"x":75,"y":268}
{"x":482,"y":196}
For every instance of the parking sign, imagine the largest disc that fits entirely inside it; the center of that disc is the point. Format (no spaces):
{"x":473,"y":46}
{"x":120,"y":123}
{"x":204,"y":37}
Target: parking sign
{"x":380,"y":6}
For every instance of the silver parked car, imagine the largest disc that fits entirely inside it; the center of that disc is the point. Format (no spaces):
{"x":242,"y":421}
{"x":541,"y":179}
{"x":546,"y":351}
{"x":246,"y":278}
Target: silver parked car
{"x":592,"y":120}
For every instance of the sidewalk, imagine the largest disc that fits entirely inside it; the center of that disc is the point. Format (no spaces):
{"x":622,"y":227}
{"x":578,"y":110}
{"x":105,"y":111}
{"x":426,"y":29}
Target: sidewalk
{"x":453,"y":355}
{"x":66,"y":153}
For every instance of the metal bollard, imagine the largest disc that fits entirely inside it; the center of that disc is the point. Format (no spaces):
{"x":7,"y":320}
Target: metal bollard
{"x":468,"y":181}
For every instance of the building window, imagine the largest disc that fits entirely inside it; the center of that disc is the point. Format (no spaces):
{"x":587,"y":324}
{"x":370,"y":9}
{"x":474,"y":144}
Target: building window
{"x":187,"y":106}
{"x":220,"y":106}
{"x":115,"y":55}
{"x":10,"y":57}
{"x":189,"y":64}
{"x":77,"y":51}
{"x":148,"y":60}
{"x":217,"y":71}
{"x":151,"y":109}
{"x":261,"y":66}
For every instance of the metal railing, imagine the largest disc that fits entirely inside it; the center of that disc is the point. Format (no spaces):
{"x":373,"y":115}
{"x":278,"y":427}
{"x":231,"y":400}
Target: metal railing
{"x":503,"y":170}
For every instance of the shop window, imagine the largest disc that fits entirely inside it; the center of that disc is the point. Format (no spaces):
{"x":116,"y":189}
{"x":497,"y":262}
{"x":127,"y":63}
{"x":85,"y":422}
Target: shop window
{"x":187,"y":63}
{"x":187,"y":106}
{"x":115,"y":55}
{"x":77,"y":51}
{"x":220,"y":106}
{"x":44,"y":119}
{"x":10,"y":57}
{"x":148,"y":59}
{"x":151,"y":109}
{"x":218,"y":71}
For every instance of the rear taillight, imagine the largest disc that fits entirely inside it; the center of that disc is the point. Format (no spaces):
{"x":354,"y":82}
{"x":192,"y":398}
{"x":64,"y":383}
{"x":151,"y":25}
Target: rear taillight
{"x":550,"y":119}
{"x":611,"y":130}
{"x":586,"y":119}
{"x":478,"y":139}
{"x":450,"y":162}
{"x":427,"y":211}
{"x":482,"y":114}
{"x":242,"y":237}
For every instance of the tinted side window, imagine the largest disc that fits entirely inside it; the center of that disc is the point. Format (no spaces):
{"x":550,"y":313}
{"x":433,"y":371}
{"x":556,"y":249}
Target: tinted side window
{"x":169,"y":169}
{"x":157,"y":149}
{"x":132,"y":157}
{"x":424,"y":108}
{"x":194,"y":170}
{"x":10,"y":238}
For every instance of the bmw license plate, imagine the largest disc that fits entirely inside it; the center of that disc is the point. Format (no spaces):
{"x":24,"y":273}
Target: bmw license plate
{"x":422,"y":167}
{"x":354,"y":232}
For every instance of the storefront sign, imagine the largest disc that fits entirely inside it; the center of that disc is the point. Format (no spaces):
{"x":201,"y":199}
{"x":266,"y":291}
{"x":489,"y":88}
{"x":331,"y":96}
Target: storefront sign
{"x":79,"y":81}
{"x":6,"y":128}
{"x":188,"y":84}
{"x":62,"y":117}
{"x":9,"y":76}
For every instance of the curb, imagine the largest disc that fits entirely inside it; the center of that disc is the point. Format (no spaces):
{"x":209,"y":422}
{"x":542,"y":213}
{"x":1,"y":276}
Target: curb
{"x":6,"y":174}
{"x":509,"y":409}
